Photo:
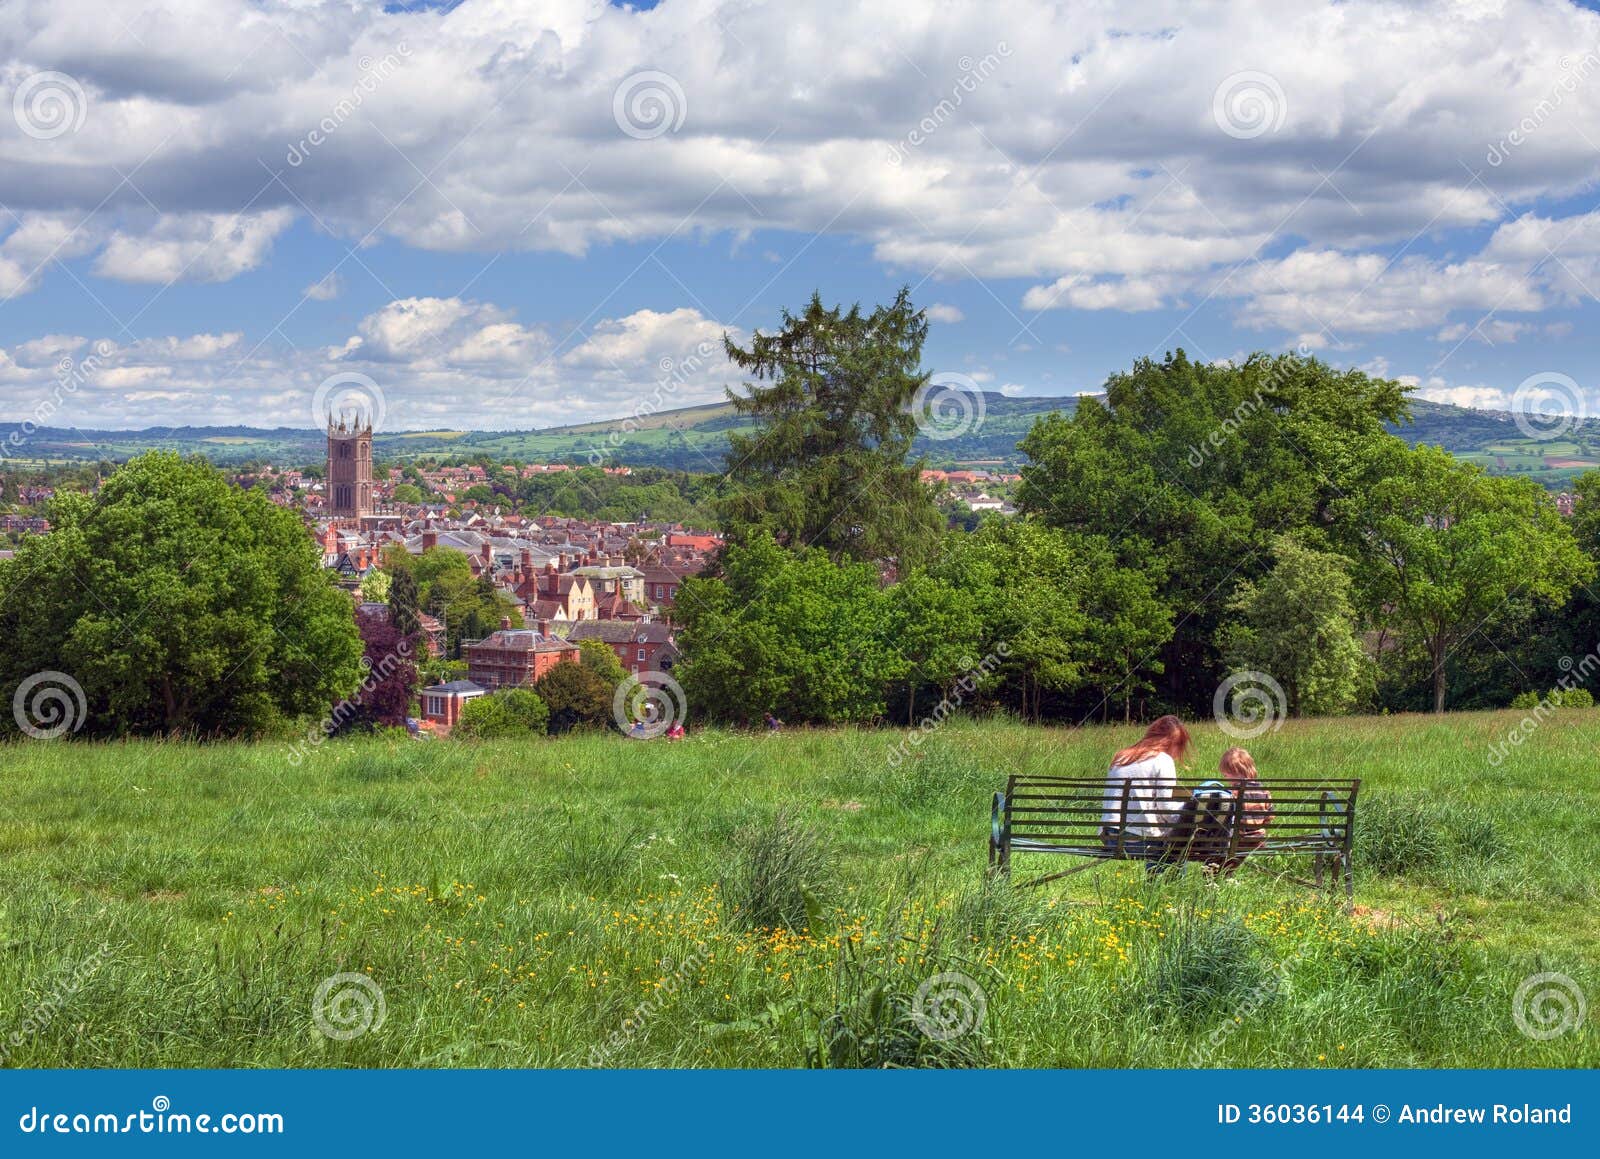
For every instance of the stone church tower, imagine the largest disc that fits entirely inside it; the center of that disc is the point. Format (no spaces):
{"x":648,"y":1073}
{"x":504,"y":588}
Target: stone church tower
{"x":349,"y":468}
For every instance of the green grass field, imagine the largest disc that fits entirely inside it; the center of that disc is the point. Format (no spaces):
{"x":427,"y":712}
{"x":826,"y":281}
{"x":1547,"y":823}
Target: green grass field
{"x":739,"y":900}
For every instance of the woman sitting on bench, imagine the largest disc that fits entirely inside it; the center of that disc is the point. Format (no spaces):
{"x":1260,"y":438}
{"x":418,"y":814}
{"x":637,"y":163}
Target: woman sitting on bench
{"x":1144,"y":778}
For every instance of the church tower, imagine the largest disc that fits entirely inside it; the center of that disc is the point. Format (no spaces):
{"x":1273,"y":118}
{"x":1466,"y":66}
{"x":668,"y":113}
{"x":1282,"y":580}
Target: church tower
{"x":349,"y":479}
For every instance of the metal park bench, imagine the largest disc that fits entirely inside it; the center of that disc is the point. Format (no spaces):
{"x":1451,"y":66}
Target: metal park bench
{"x":1075,"y":816}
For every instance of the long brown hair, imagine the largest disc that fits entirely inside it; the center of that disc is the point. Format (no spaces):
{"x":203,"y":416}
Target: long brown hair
{"x":1166,"y":735}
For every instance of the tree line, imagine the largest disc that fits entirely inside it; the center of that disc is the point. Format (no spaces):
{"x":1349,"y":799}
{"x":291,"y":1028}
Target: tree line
{"x":1196,"y":521}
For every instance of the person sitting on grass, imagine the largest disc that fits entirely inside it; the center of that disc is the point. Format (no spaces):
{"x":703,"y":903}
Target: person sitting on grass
{"x":1145,"y":776}
{"x":675,"y":731}
{"x":773,"y":723}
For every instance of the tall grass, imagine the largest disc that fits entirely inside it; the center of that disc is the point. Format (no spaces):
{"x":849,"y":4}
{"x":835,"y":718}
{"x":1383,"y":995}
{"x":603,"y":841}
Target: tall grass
{"x":746,"y":900}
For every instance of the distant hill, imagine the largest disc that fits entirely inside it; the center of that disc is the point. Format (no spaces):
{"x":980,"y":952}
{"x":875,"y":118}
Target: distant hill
{"x":695,"y":438}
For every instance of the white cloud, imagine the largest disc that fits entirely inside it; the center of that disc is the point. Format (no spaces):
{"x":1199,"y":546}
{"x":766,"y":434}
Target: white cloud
{"x":200,"y":247}
{"x":942,"y":312}
{"x":1085,"y":158}
{"x":439,"y":362}
{"x":325,"y":289}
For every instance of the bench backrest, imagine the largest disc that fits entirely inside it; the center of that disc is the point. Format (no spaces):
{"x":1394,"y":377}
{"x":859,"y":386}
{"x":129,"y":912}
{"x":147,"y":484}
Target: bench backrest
{"x":1070,"y":812}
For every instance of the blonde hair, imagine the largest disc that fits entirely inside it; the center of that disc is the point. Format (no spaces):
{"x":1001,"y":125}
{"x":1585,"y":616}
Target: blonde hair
{"x":1237,"y":765}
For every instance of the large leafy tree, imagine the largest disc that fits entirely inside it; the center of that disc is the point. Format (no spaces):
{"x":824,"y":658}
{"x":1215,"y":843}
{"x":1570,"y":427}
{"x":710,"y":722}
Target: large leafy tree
{"x":1067,"y":621}
{"x":1189,"y":470}
{"x":827,"y":464}
{"x":786,"y":632}
{"x":1446,"y":546}
{"x":389,"y":677}
{"x":1298,"y":626}
{"x":576,"y":695}
{"x":937,"y":629}
{"x":180,"y":605}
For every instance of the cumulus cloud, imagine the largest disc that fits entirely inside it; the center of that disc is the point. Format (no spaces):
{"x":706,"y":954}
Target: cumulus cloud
{"x":1053,"y":143}
{"x":943,"y":312}
{"x":1080,"y":152}
{"x":438,"y":362}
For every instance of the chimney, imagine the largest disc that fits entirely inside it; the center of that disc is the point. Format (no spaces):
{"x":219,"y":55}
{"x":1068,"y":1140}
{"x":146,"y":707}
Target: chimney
{"x":430,"y":539}
{"x":544,"y":628}
{"x":527,"y":561}
{"x":505,"y":623}
{"x":487,"y":551}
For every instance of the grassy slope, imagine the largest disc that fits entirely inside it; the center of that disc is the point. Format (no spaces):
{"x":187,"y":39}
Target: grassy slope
{"x":517,"y":902}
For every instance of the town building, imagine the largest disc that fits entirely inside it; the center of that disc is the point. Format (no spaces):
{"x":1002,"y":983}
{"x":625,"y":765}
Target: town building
{"x":349,"y":482}
{"x":515,"y":657}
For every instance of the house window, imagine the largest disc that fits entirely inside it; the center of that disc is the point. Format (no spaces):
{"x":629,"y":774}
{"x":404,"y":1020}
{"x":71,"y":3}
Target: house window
{"x":641,"y":653}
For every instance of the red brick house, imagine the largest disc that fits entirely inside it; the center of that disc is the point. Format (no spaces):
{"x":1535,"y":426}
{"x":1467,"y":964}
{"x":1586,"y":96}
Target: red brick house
{"x":516,"y":656}
{"x":641,"y":647}
{"x":442,"y":703}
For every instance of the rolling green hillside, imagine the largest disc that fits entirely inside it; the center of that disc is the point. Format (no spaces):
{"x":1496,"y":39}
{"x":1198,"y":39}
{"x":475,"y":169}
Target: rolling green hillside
{"x":695,"y":439}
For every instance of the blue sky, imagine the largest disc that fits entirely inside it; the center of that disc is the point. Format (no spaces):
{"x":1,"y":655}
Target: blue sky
{"x":521,"y":214}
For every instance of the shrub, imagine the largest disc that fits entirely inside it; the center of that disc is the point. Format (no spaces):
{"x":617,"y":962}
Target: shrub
{"x":1396,"y":835}
{"x":577,"y":696}
{"x":781,"y":870}
{"x":885,"y":1019}
{"x":1203,"y":967}
{"x":511,"y":712}
{"x":1555,"y":698}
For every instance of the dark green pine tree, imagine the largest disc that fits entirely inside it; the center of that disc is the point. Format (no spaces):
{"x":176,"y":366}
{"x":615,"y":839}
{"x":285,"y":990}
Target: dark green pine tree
{"x":828,"y":463}
{"x":403,"y":604}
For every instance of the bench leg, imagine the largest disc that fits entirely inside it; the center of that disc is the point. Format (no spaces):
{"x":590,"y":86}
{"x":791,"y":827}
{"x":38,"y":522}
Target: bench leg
{"x":1349,"y":883}
{"x":1320,"y":859}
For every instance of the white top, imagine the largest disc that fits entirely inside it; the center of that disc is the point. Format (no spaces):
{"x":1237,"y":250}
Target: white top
{"x":1151,"y":805}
